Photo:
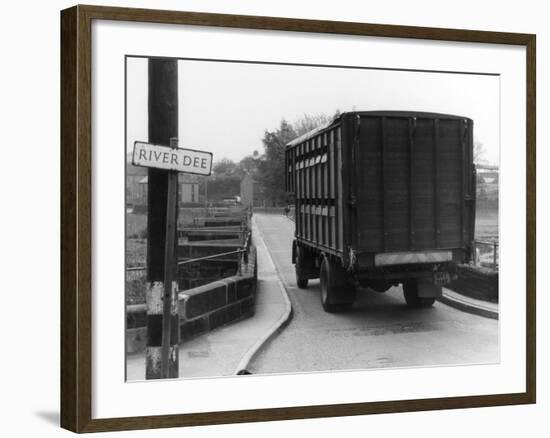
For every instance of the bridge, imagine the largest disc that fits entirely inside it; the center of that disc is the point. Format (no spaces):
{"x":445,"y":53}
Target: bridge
{"x":241,"y":312}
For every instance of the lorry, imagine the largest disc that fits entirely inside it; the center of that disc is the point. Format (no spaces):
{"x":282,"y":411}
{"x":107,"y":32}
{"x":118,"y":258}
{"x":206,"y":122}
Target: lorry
{"x":382,"y":198}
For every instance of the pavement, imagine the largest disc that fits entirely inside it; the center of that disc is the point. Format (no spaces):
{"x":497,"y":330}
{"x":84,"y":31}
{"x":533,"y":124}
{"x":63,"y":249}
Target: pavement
{"x":470,"y":305}
{"x":228,"y":350}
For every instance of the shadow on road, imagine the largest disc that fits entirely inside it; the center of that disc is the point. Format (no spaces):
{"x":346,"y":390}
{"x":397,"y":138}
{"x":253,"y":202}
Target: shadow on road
{"x":372,"y":303}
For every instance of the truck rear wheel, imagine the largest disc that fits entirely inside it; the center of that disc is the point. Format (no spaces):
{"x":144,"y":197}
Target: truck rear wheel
{"x":301,"y":278}
{"x":410,"y":291}
{"x":337,"y":290}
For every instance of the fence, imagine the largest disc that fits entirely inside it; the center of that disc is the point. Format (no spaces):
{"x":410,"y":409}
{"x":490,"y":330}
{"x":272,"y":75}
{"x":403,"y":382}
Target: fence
{"x":486,"y":254}
{"x":135,"y":271}
{"x":242,"y":255}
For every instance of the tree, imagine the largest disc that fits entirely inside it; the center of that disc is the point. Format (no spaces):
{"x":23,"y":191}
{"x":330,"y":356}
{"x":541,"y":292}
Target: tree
{"x":309,"y":122}
{"x":271,"y":165}
{"x":249,"y":164}
{"x":479,"y":152}
{"x":271,"y":168}
{"x":225,"y":166}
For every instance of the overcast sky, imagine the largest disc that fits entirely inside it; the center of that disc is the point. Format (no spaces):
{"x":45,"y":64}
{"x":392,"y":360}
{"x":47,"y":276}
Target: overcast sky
{"x":225,"y":107}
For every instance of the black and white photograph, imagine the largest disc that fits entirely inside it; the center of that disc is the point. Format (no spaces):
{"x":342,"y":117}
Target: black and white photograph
{"x":298,"y":218}
{"x":275,"y":219}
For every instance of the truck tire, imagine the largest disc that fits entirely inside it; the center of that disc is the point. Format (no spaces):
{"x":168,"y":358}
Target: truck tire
{"x":337,"y":290}
{"x":301,"y":279}
{"x":410,"y":291}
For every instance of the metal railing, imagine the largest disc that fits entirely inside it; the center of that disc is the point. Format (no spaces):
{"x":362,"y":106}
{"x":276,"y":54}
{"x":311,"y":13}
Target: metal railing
{"x":241,"y":252}
{"x":133,"y":311}
{"x":241,"y":259}
{"x":486,"y":253}
{"x":211,"y":230}
{"x":209,"y":257}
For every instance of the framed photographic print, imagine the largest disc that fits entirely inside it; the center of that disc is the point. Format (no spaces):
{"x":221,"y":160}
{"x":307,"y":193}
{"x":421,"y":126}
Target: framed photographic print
{"x":270,"y":218}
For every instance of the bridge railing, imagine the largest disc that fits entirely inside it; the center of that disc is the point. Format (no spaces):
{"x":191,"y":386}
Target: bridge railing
{"x":242,"y":253}
{"x":136,"y":311}
{"x":486,"y":253}
{"x":242,"y":259}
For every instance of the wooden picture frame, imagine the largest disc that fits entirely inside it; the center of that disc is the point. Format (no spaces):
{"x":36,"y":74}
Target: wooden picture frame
{"x":76,"y":217}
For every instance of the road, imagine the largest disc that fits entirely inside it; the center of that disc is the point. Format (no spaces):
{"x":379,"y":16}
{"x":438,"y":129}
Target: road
{"x":380,"y":331}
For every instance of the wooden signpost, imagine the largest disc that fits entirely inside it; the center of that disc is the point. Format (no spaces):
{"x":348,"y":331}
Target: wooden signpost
{"x":164,"y":160}
{"x":172,"y":160}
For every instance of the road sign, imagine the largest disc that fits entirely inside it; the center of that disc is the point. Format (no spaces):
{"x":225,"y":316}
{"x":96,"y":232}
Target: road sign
{"x":167,"y":158}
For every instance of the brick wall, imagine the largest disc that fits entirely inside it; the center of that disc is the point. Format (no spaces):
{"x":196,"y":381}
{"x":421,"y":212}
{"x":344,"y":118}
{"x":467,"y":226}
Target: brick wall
{"x":215,"y":304}
{"x":203,"y":308}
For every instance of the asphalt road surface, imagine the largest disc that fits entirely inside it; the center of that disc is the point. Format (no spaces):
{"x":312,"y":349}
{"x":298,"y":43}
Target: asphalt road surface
{"x":380,"y":330}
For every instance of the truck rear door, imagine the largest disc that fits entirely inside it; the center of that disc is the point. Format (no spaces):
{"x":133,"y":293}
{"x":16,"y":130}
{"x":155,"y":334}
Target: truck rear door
{"x":415,"y":184}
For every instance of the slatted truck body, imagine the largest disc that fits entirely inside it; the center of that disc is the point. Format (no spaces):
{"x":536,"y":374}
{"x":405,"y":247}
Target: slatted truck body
{"x":382,"y":198}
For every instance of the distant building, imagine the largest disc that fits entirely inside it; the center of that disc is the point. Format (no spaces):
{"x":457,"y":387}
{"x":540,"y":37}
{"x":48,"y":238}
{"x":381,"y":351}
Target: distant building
{"x":137,"y":182}
{"x":135,"y":194}
{"x":252,"y":193}
{"x":188,"y":189}
{"x":247,"y":191}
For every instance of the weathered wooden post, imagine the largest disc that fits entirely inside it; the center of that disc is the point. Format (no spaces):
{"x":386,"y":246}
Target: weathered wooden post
{"x":164,"y":160}
{"x":170,"y":316}
{"x":163,"y":125}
